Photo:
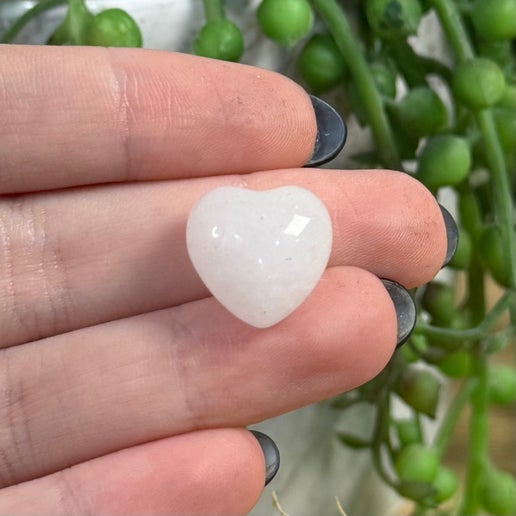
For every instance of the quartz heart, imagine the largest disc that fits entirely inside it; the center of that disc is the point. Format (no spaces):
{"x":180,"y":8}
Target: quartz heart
{"x":260,"y":253}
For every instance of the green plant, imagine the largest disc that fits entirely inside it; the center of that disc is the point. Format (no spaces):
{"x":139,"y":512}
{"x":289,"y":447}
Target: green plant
{"x":113,"y":28}
{"x":468,"y":146}
{"x":320,"y":63}
{"x":110,"y":28}
{"x":285,"y":21}
{"x":219,"y":38}
{"x":494,"y":20}
{"x":459,"y":337}
{"x":501,"y":384}
{"x":444,"y":161}
{"x":497,"y":493}
{"x":445,"y":484}
{"x":478,"y":82}
{"x":393,"y":20}
{"x":416,"y":463}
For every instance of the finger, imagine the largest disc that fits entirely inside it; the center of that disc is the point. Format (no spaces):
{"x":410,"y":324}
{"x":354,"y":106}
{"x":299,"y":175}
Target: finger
{"x":206,"y":472}
{"x":84,"y":257}
{"x":83,"y":394}
{"x":83,"y":115}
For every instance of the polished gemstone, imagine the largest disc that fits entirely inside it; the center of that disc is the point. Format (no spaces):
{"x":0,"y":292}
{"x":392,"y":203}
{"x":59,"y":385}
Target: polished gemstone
{"x":260,"y":253}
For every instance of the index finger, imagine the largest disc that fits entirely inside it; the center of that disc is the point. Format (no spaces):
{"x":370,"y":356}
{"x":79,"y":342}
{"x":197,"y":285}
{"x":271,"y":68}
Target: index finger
{"x":84,"y":115}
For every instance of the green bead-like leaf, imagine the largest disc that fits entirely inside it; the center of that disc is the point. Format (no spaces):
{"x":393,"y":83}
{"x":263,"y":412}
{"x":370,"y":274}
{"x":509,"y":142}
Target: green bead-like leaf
{"x":353,"y":441}
{"x":420,"y":389}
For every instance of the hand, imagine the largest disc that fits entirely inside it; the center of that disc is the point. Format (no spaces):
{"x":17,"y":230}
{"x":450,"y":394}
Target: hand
{"x":125,"y":387}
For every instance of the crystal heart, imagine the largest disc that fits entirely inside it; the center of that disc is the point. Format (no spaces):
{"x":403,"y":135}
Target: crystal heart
{"x":260,"y":253}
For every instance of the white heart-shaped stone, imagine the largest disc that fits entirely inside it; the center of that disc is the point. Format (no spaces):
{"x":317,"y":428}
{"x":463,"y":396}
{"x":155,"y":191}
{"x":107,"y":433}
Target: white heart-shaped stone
{"x":260,"y":253}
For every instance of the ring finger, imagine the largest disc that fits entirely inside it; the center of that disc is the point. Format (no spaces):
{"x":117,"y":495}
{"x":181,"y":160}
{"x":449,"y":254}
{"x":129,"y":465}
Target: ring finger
{"x":80,"y":395}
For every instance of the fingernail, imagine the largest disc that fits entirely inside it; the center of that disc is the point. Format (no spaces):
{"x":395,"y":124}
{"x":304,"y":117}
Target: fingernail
{"x":405,"y":310}
{"x":452,"y":235}
{"x":331,"y":133}
{"x":271,"y":454}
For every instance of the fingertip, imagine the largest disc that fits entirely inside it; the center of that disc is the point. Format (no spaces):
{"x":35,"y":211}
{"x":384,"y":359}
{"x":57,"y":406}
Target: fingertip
{"x":214,"y":471}
{"x":415,"y":219}
{"x":354,"y":322}
{"x":218,"y":472}
{"x":228,"y":477}
{"x":433,"y":234}
{"x":242,"y":471}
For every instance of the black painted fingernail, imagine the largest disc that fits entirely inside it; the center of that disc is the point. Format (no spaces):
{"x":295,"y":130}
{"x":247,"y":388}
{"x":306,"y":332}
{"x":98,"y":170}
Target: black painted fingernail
{"x":271,"y":454}
{"x":405,"y":310}
{"x":331,"y":133}
{"x":452,"y":235}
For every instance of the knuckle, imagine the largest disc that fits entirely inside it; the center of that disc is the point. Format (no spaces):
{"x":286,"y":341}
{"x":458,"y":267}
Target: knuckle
{"x":123,"y":82}
{"x":14,"y":426}
{"x":32,"y":273}
{"x":71,"y":495}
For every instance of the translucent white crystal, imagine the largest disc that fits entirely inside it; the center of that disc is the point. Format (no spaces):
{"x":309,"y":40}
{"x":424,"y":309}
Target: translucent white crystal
{"x":260,"y":253}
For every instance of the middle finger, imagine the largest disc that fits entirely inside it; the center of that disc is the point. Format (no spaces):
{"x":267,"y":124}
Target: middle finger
{"x":82,"y":257}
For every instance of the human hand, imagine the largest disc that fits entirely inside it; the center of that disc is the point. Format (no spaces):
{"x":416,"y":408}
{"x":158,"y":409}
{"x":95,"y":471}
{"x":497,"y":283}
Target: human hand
{"x":124,"y":386}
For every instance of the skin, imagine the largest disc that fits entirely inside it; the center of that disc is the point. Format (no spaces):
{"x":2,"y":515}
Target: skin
{"x":125,"y":387}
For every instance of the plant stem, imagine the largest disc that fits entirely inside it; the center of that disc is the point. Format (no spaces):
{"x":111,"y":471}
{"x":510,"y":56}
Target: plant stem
{"x":343,"y":402}
{"x":76,"y":21}
{"x":478,"y":332}
{"x":213,"y":10}
{"x":452,"y":416}
{"x":338,"y":25}
{"x":40,"y":7}
{"x":478,"y":436}
{"x":381,"y":436}
{"x":381,"y":429}
{"x":454,"y":28}
{"x":478,"y":433}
